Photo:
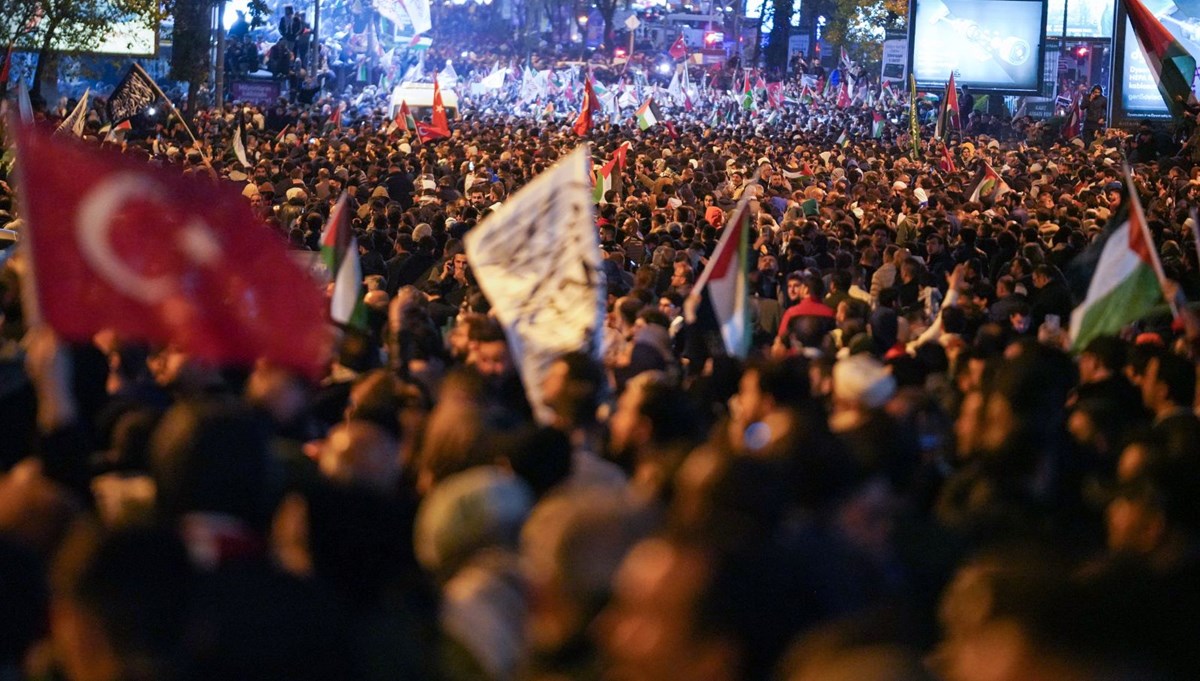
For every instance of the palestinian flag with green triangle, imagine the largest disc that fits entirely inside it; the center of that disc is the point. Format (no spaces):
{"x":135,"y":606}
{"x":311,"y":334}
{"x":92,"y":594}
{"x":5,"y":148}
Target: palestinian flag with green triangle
{"x":877,"y":124}
{"x":1125,"y":285}
{"x":747,"y":94}
{"x":1172,"y":66}
{"x":339,"y":252}
{"x":648,"y":115}
{"x":607,"y":177}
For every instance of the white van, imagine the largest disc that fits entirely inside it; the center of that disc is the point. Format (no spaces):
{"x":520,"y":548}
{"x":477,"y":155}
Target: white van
{"x":420,"y":100}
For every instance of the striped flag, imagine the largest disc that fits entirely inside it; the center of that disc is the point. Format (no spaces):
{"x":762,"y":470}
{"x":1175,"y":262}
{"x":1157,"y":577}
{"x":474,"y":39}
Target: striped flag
{"x":1173,"y":67}
{"x":607,"y":178}
{"x":339,"y":252}
{"x":877,"y":123}
{"x":1126,"y":284}
{"x":648,"y":115}
{"x":724,"y":282}
{"x":989,"y":186}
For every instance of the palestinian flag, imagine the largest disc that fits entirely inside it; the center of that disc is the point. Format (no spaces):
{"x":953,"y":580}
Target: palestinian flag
{"x":648,"y":115}
{"x":989,"y":186}
{"x":607,"y":178}
{"x":116,"y":133}
{"x":843,"y":139}
{"x":747,"y":94}
{"x":951,"y":99}
{"x":723,"y":285}
{"x":405,"y":122}
{"x":877,"y":123}
{"x":339,"y":252}
{"x":1125,"y":285}
{"x":1171,"y":64}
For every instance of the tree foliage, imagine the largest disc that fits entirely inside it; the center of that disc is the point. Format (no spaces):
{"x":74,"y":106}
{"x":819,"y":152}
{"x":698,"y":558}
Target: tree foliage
{"x":864,"y":22}
{"x":51,"y":26}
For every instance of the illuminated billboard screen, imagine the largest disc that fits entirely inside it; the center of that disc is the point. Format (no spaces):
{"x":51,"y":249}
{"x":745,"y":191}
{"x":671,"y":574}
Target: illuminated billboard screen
{"x":992,"y":45}
{"x":1136,"y":96}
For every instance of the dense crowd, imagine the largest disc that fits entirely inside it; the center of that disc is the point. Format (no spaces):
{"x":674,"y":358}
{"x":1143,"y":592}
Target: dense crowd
{"x":910,"y":478}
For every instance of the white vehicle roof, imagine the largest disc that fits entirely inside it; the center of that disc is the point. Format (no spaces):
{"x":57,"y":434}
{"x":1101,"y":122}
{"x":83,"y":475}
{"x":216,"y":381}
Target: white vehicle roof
{"x":421,"y":94}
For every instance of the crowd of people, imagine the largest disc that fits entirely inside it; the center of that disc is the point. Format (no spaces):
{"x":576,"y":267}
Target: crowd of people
{"x":912,"y":476}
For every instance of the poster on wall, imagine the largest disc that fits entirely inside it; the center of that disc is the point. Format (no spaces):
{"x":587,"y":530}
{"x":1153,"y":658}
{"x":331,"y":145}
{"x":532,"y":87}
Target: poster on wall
{"x":895,"y":61}
{"x":995,"y":45}
{"x":1135,"y":95}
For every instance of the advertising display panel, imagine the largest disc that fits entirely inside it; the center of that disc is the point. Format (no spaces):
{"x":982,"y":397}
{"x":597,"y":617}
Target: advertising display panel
{"x":994,"y":45}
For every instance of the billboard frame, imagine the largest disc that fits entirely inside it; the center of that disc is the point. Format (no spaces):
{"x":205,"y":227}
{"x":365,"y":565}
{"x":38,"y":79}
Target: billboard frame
{"x":928,"y":86}
{"x":1119,"y":116}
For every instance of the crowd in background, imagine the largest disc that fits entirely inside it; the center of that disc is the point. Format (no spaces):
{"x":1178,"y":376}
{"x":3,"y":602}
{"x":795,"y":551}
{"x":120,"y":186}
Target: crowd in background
{"x":910,"y":478}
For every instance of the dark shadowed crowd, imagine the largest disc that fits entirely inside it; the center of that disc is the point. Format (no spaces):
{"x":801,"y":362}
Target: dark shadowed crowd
{"x":912,"y":476}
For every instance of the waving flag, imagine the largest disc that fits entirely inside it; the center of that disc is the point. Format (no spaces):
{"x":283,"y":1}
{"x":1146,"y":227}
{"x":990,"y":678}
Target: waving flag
{"x":538,"y":259}
{"x":74,"y":121}
{"x":136,"y":91}
{"x":989,"y":186}
{"x":239,"y":148}
{"x":339,"y":252}
{"x":952,"y":118}
{"x":648,"y":115}
{"x":161,"y":258}
{"x":1126,"y":284}
{"x":440,"y":127}
{"x":678,"y":48}
{"x":583,"y":124}
{"x":1173,"y":67}
{"x":723,"y":284}
{"x":607,"y":178}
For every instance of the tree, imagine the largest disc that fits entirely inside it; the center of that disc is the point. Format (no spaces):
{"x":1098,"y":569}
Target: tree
{"x":608,"y":11}
{"x":864,"y":23}
{"x":190,"y":57}
{"x":79,"y":25}
{"x":777,"y":39}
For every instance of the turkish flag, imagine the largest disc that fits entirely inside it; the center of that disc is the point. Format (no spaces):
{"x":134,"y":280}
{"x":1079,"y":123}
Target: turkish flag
{"x":441,"y":124}
{"x":583,"y":124}
{"x":678,"y":49}
{"x":117,"y":244}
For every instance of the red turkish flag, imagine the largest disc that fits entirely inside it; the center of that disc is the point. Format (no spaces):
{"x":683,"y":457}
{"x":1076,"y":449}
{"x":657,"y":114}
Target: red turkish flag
{"x":441,"y":124}
{"x":117,"y":244}
{"x":678,"y":49}
{"x":591,"y":105}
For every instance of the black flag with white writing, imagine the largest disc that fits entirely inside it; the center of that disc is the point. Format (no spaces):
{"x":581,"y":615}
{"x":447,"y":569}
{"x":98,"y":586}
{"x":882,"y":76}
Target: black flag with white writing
{"x":135,"y":92}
